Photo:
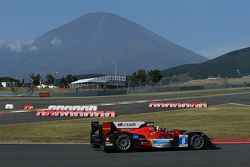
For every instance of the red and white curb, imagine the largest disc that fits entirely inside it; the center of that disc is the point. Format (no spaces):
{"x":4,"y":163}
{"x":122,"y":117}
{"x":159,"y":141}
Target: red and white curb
{"x":231,"y":141}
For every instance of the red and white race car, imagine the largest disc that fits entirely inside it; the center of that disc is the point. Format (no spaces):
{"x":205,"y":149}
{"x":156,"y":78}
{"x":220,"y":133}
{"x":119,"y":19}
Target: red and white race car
{"x":128,"y":136}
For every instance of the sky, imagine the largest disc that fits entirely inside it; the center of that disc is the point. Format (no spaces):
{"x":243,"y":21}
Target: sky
{"x":208,"y":27}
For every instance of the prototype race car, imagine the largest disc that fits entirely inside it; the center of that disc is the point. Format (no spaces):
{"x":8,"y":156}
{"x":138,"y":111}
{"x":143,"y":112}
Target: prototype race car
{"x":129,"y":136}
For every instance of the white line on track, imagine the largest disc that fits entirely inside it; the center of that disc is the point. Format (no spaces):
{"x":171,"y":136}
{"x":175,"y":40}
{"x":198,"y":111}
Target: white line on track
{"x":16,"y":111}
{"x":126,"y":102}
{"x":232,"y":143}
{"x":157,"y":100}
{"x":19,"y":111}
{"x":141,"y":101}
{"x":106,"y":104}
{"x":47,"y":143}
{"x":239,"y":104}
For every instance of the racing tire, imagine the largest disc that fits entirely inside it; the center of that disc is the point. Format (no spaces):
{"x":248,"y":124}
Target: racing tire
{"x":197,"y":142}
{"x":123,"y":143}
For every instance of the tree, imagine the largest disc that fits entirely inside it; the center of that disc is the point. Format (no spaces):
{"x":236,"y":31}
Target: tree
{"x":35,"y":79}
{"x":70,"y":78}
{"x":133,"y":77}
{"x":50,"y":79}
{"x":63,"y":81}
{"x":154,"y":75}
{"x":141,"y":75}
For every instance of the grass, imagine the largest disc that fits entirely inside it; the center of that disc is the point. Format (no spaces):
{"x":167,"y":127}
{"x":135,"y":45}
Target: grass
{"x":221,"y":81}
{"x":219,"y":122}
{"x":190,"y":91}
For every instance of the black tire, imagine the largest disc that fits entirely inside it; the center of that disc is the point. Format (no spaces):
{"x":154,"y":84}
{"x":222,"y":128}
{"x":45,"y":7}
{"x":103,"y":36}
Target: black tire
{"x":197,"y":142}
{"x":123,"y":143}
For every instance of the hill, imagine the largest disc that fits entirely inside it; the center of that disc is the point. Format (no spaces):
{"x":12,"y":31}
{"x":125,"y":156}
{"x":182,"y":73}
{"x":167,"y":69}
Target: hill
{"x":224,"y":66}
{"x":90,"y":44}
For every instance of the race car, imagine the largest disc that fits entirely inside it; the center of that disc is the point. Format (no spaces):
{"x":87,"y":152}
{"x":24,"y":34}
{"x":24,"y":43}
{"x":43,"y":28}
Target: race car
{"x":129,"y":136}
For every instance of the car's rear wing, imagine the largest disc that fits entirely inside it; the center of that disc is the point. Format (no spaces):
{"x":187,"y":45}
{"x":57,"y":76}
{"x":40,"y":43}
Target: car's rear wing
{"x":96,"y":133}
{"x":95,"y":126}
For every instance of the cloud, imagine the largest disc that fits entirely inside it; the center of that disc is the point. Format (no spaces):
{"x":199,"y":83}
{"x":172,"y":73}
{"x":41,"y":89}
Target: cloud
{"x":29,"y":42}
{"x":2,"y":43}
{"x":56,"y":42}
{"x":18,"y":45}
{"x":15,"y":46}
{"x":33,"y":48}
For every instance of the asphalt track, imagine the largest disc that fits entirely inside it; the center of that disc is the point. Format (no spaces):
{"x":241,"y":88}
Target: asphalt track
{"x":44,"y":102}
{"x":236,"y":96}
{"x":77,"y":155}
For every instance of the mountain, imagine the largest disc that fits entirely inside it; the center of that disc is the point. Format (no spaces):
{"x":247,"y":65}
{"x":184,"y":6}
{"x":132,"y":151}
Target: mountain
{"x":90,"y":44}
{"x":224,"y":66}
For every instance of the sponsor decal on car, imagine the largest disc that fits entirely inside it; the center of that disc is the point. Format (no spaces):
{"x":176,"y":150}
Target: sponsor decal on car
{"x":135,"y":136}
{"x":160,"y":143}
{"x":183,"y":140}
{"x":128,"y":125}
{"x":108,"y":144}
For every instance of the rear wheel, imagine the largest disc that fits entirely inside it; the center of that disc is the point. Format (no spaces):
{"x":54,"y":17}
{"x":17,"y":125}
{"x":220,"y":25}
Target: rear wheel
{"x":123,"y":143}
{"x":197,"y":142}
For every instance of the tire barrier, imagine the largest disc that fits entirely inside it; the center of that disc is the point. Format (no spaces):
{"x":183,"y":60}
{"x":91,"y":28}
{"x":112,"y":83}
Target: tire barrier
{"x":178,"y":105}
{"x":9,"y":106}
{"x":73,"y":108}
{"x":73,"y":113}
{"x":28,"y":107}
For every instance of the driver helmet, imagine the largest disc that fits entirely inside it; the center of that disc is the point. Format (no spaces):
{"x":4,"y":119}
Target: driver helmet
{"x":158,"y":128}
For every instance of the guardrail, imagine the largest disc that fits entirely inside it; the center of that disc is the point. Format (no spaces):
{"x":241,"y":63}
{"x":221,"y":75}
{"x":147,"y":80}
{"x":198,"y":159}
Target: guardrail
{"x":120,"y":92}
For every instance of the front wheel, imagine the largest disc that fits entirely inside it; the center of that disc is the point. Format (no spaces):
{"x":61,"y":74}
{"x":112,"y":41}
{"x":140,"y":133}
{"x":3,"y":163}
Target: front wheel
{"x":197,"y":142}
{"x":123,"y":143}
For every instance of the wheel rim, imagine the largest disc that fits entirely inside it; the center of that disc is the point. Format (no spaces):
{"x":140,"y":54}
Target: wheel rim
{"x":124,"y":143}
{"x":198,"y":142}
